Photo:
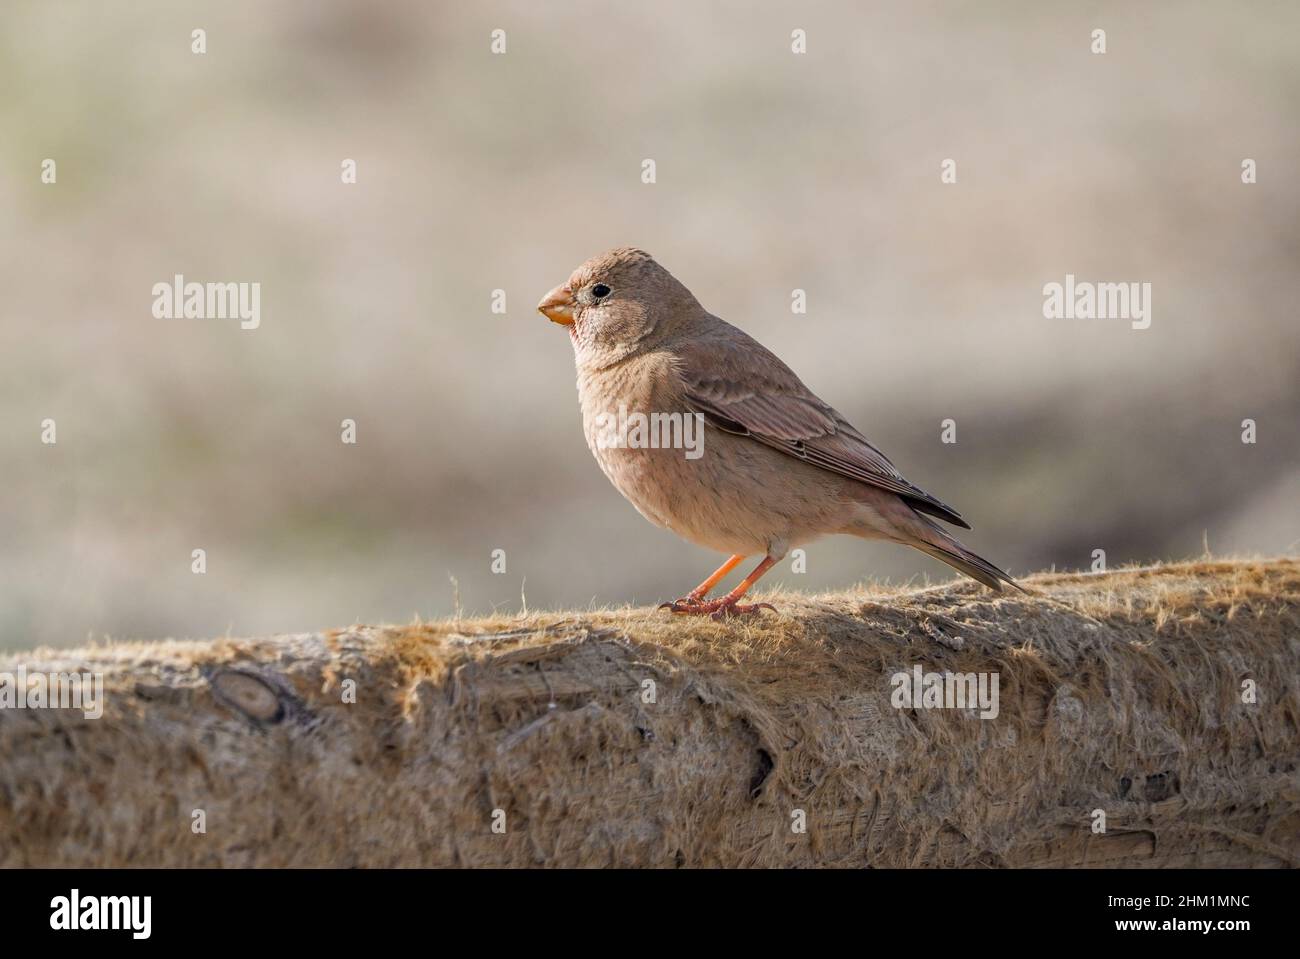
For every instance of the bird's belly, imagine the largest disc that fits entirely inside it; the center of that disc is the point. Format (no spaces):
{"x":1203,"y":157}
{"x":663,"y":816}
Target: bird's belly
{"x":727,"y":496}
{"x":654,"y":481}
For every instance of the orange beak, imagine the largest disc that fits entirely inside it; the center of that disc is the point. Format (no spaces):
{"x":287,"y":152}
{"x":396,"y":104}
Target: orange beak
{"x":557,"y":306}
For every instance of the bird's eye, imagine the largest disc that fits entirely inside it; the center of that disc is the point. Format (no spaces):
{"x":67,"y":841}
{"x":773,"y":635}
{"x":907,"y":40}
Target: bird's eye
{"x":600,"y":291}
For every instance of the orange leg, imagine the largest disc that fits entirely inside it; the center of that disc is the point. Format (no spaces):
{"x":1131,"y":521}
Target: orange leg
{"x":696,"y":596}
{"x":729,"y":604}
{"x":699,"y":592}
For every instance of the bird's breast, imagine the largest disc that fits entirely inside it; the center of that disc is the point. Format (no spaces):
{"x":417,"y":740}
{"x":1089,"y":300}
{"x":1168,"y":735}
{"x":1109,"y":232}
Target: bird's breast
{"x":647,"y":442}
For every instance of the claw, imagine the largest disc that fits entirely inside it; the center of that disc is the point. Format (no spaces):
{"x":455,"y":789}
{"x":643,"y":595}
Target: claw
{"x":684,"y":604}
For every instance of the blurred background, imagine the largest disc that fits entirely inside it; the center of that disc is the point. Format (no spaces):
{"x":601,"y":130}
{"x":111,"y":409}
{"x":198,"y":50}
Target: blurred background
{"x":478,"y":172}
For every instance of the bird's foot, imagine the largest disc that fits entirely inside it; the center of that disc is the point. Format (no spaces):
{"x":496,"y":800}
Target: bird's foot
{"x":684,"y":604}
{"x":718,"y":609}
{"x":728,"y":610}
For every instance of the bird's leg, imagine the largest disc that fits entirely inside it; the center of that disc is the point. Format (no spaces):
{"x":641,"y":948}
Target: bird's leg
{"x":696,"y":596}
{"x":729,"y":605}
{"x":699,"y":592}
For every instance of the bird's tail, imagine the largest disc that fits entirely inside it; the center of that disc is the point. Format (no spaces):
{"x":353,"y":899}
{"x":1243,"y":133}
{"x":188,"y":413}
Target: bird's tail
{"x":941,"y":546}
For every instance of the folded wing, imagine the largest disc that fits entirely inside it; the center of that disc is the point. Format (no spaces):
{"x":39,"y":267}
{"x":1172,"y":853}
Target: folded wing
{"x":740,"y":386}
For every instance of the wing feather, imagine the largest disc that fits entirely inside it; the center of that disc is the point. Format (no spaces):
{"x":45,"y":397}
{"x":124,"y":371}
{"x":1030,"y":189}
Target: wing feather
{"x":739,"y":386}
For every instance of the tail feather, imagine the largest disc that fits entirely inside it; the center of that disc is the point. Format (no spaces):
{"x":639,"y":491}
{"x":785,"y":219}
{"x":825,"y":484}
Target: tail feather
{"x":891,"y":517}
{"x":976,"y":567}
{"x":947,"y":550}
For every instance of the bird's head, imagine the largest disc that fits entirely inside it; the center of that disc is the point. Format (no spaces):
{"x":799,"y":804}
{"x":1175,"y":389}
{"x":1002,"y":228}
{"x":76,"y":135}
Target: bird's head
{"x":616,"y":300}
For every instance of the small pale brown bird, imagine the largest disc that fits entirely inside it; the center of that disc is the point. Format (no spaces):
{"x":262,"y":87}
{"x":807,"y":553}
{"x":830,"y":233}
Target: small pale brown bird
{"x":772,"y":467}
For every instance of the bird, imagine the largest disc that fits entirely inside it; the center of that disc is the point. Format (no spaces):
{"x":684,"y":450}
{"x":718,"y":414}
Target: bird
{"x":776,"y":467}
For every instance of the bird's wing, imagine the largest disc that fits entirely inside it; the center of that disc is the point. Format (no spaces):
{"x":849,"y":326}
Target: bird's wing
{"x":740,"y":386}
